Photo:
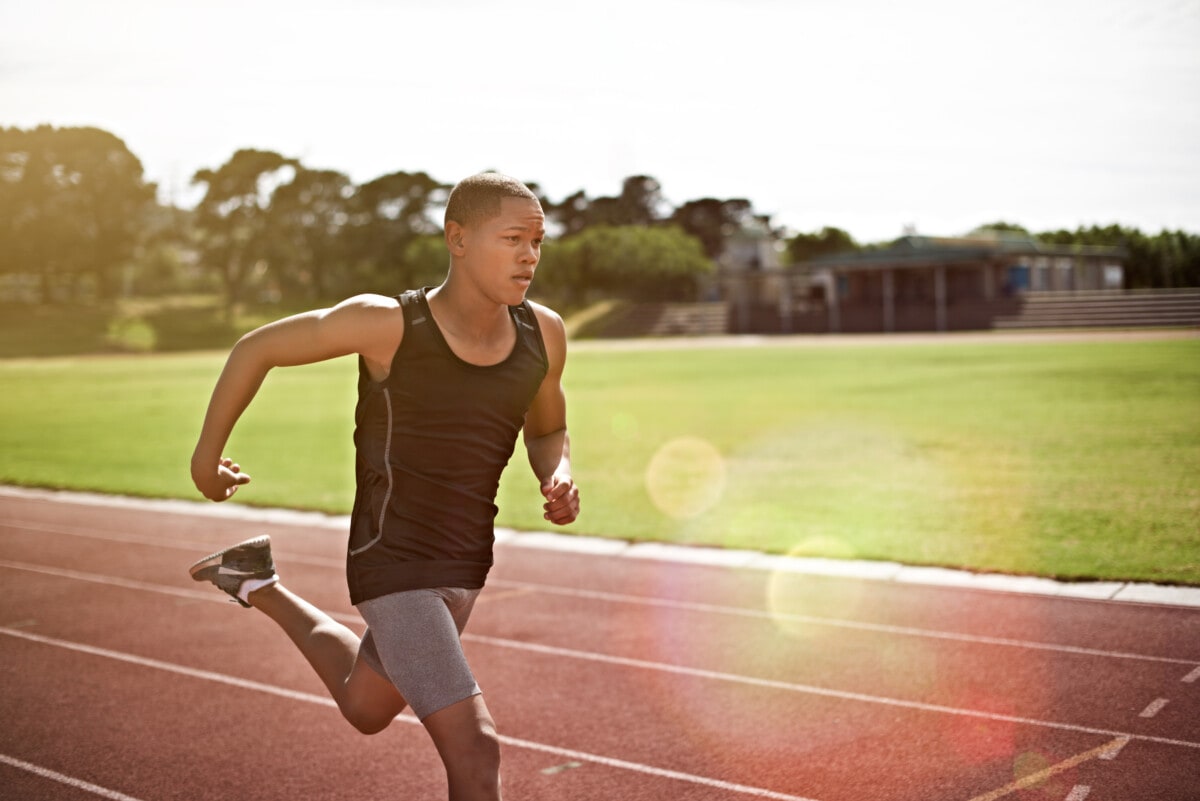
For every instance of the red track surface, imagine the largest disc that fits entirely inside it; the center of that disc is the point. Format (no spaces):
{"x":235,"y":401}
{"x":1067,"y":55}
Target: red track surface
{"x":610,"y":678}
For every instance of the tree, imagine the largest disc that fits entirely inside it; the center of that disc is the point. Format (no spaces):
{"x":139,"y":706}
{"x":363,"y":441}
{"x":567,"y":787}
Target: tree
{"x":640,"y":203}
{"x":309,"y":246}
{"x":426,"y":260}
{"x":1167,"y":259}
{"x":631,"y":261}
{"x":1180,"y":255}
{"x":825,"y":242}
{"x":571,"y":215}
{"x":712,"y":221}
{"x":233,"y":215}
{"x":164,"y":262}
{"x":390,"y":213}
{"x":72,"y":202}
{"x":1001,"y":225}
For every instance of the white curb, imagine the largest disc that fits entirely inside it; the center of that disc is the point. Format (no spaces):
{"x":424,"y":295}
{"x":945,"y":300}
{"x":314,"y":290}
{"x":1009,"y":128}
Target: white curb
{"x":1129,"y":592}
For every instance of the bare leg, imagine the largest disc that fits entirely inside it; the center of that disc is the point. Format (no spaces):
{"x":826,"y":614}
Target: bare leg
{"x":464,"y":733}
{"x":366,"y":699}
{"x":465,"y":736}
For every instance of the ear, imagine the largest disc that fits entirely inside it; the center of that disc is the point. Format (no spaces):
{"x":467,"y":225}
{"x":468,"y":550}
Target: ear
{"x":455,"y":238}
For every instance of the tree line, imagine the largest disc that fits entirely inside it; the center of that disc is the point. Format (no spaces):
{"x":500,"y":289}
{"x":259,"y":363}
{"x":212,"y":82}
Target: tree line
{"x":78,"y":219}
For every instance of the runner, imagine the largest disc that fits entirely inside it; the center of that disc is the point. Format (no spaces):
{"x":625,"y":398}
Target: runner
{"x":447,"y":379}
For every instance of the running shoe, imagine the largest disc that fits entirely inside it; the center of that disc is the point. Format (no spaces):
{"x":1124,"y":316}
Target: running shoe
{"x":229,"y":568}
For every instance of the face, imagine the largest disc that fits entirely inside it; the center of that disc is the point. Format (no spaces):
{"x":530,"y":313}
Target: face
{"x":500,"y":255}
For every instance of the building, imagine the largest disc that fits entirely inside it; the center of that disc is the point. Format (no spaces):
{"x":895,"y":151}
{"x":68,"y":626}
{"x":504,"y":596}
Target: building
{"x":922,"y":283}
{"x":750,"y":278}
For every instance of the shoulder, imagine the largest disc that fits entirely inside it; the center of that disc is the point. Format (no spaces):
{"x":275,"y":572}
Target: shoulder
{"x":371,"y":311}
{"x":371,"y":325}
{"x":366,"y":304}
{"x":549,"y":320}
{"x":554,"y":333}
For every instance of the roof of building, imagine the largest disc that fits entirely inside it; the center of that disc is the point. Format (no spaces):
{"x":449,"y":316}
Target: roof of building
{"x":921,"y":251}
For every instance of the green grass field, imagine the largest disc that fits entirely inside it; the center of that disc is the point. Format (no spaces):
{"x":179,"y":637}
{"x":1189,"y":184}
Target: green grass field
{"x":1074,"y":460}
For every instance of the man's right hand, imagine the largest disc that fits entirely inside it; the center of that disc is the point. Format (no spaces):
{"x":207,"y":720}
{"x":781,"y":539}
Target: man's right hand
{"x":221,"y":484}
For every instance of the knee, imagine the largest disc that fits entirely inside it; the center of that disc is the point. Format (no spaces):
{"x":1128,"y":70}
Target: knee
{"x":486,"y":748}
{"x":478,"y":748}
{"x":467,"y":741}
{"x":367,"y":719}
{"x":473,"y":765}
{"x":369,"y":725}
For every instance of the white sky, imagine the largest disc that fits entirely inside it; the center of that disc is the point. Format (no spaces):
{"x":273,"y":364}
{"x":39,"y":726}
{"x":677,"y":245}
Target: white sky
{"x":863,"y":114}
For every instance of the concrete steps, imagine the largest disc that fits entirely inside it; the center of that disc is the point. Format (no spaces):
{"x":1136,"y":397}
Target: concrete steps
{"x":663,"y":320}
{"x":1105,"y":309}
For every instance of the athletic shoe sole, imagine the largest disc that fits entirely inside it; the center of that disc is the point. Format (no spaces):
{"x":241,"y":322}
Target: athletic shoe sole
{"x":227,"y":569}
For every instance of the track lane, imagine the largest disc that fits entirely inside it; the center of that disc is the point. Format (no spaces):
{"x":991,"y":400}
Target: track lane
{"x":199,"y":637}
{"x":962,"y":678}
{"x":907,"y":670}
{"x":804,"y":753}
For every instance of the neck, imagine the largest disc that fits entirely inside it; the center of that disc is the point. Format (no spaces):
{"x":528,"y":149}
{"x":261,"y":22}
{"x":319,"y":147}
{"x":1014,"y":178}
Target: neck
{"x":468,"y":315}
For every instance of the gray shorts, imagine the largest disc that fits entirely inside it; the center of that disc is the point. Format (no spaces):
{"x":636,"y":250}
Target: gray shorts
{"x":412,"y":639}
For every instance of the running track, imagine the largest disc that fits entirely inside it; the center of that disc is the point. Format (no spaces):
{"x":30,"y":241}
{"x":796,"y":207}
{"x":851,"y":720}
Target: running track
{"x":610,"y":677}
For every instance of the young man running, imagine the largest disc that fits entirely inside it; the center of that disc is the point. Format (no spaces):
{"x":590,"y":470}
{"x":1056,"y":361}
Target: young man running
{"x":447,"y":379}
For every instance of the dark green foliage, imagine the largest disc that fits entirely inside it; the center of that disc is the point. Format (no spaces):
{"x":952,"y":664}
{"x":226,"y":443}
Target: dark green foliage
{"x":78,"y":223}
{"x":825,"y":242}
{"x":73,"y":207}
{"x":629,"y":261}
{"x":1165,"y":260}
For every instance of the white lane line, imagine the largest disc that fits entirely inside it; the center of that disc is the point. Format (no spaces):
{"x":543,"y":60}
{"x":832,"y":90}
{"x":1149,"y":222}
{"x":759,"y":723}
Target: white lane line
{"x":112,"y":581}
{"x":169,"y":542}
{"x":664,"y":603}
{"x":407,"y":717}
{"x":70,"y":781}
{"x":1154,"y":707}
{"x":808,"y":689}
{"x":1078,"y":793}
{"x":881,"y":628}
{"x":741,"y":789}
{"x":591,"y":656}
{"x":1117,"y":747}
{"x":500,"y":595}
{"x":1191,"y":677}
{"x":1035,"y":779}
{"x":170,"y":667}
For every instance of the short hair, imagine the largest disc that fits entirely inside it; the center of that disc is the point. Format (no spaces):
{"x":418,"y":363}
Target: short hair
{"x":477,"y":198}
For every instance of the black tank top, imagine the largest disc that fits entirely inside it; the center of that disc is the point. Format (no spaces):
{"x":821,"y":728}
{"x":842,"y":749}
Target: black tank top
{"x":431,"y":441}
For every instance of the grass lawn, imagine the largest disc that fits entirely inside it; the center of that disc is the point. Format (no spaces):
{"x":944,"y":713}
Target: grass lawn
{"x":132,"y":325}
{"x":1074,"y":460}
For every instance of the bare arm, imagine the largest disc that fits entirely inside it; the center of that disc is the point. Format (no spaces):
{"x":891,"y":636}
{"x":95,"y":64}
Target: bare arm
{"x":546,"y":439}
{"x":366,"y":324}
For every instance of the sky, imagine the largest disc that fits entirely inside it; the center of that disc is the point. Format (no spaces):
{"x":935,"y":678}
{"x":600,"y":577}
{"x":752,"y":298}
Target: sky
{"x":869,"y":115}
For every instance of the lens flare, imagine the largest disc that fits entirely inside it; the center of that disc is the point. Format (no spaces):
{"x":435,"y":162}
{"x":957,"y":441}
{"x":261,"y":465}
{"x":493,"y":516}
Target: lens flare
{"x":791,"y":594}
{"x":686,"y":477}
